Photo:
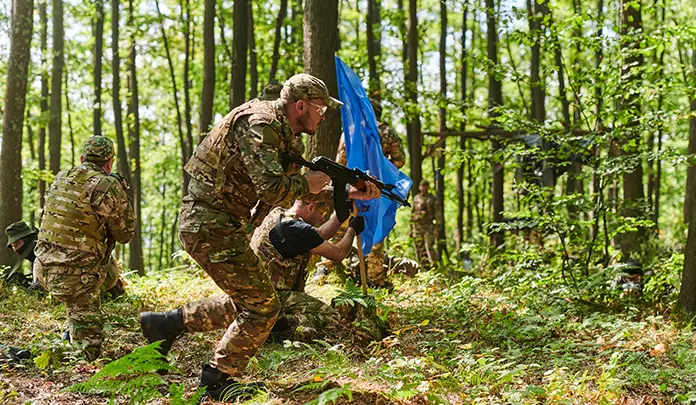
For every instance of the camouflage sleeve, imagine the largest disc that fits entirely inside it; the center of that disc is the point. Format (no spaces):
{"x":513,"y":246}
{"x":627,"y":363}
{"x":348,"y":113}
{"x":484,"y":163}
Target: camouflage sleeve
{"x":396,"y":149}
{"x":111,"y":203}
{"x":259,"y":149}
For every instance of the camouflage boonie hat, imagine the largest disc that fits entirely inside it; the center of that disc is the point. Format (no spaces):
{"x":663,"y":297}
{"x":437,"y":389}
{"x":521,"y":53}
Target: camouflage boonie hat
{"x":308,"y":87}
{"x":98,"y":148}
{"x":18,"y":230}
{"x":271,"y":91}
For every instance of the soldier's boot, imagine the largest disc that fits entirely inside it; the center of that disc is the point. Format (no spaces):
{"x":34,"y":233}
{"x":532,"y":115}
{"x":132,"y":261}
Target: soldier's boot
{"x":222,"y":387}
{"x":164,"y":326}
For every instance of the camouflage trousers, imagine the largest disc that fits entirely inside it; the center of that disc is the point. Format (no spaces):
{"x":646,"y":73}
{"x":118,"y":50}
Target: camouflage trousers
{"x":250,"y":306}
{"x":80,"y":290}
{"x":302,"y":317}
{"x":376,"y":271}
{"x":424,"y":243}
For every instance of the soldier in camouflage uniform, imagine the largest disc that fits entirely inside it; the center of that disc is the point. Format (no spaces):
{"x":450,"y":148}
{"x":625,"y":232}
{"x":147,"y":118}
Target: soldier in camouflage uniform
{"x":423,"y":215}
{"x":303,"y":317}
{"x":86,"y":212}
{"x":21,"y":238}
{"x":393,"y":149}
{"x":271,"y":91}
{"x":239,"y":167}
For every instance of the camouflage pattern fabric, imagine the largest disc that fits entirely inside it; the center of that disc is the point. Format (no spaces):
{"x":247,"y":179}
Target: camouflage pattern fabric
{"x":74,"y":272}
{"x":237,"y":167}
{"x":423,"y":215}
{"x":98,"y":148}
{"x":307,"y":87}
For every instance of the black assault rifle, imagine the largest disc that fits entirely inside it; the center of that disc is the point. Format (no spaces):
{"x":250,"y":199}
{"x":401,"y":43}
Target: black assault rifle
{"x":341,"y":175}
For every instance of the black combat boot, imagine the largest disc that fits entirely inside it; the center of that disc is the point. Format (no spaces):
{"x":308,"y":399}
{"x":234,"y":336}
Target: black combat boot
{"x":222,"y":387}
{"x":165,"y":326}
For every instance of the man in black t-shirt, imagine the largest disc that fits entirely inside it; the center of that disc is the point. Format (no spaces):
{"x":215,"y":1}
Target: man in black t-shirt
{"x":287,"y":243}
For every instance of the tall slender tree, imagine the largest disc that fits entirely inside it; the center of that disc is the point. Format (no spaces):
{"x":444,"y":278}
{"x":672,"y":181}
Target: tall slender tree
{"x":122,"y":154}
{"x":253,"y":60}
{"x":412,"y":95}
{"x":188,"y":52}
{"x":43,"y":40}
{"x":495,"y":99}
{"x":320,"y":45}
{"x":240,"y":45}
{"x":282,"y":12}
{"x":442,"y":126}
{"x":97,"y":51}
{"x":208,"y":93}
{"x":55,"y":123}
{"x":135,"y":260}
{"x":374,"y":43}
{"x":461,"y":191}
{"x":13,"y":119}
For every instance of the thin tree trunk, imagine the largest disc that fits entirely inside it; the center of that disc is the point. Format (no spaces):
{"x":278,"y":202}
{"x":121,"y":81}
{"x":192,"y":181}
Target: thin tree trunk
{"x":442,"y":126}
{"x":404,"y":59}
{"x":54,"y":126}
{"x":412,"y":95}
{"x":690,"y":195}
{"x":228,"y":52}
{"x":240,"y":47}
{"x":253,"y":62}
{"x":122,"y":154}
{"x":320,"y":45}
{"x":461,"y":191}
{"x":43,"y":20}
{"x":208,"y":93}
{"x":182,"y":142}
{"x":276,"y":42}
{"x":71,"y":133}
{"x":13,"y":118}
{"x":374,"y":48}
{"x":495,"y":99}
{"x":172,"y":239}
{"x":188,"y":54}
{"x":98,"y":30}
{"x":135,"y":261}
{"x":162,"y":223}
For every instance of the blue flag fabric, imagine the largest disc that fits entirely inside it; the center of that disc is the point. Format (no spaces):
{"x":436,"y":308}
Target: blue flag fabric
{"x":364,"y":152}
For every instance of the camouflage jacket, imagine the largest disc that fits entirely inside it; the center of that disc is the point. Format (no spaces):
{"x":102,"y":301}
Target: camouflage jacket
{"x":86,"y":212}
{"x":425,"y":209}
{"x":286,"y":274}
{"x":392,"y":147}
{"x":239,"y":165}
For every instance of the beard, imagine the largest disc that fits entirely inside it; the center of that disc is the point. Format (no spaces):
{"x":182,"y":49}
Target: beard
{"x":303,"y":120}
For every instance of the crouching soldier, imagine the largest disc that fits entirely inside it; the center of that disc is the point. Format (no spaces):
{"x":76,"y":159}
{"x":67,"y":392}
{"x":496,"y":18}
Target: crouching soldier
{"x":86,"y":212}
{"x":22,"y":239}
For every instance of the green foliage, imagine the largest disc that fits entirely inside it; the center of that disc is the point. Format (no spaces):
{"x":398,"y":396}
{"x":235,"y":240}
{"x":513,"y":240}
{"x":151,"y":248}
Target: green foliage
{"x":353,"y":295}
{"x":332,"y":395}
{"x":136,"y":376}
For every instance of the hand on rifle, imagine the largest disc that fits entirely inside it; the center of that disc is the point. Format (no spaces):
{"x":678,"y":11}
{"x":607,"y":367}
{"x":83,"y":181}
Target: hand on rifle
{"x":369,"y":191}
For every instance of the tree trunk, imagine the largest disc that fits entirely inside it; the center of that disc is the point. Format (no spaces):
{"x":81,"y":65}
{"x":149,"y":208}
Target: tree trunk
{"x":412,"y":96}
{"x":122,"y":154}
{"x":188,"y":40}
{"x":461,"y":191}
{"x":631,"y":24}
{"x":68,"y":113}
{"x":253,"y":62}
{"x":54,"y":126}
{"x":276,"y":42}
{"x":98,"y":29}
{"x":690,"y":195}
{"x":208,"y":93}
{"x":374,"y":46}
{"x":13,"y":120}
{"x":495,"y":99}
{"x":320,"y":44}
{"x":135,"y":261}
{"x":228,"y":52}
{"x":442,"y":126}
{"x":538,"y":95}
{"x":404,"y":59}
{"x":686,"y":303}
{"x":43,"y":19}
{"x":240,"y":47}
{"x":182,"y":142}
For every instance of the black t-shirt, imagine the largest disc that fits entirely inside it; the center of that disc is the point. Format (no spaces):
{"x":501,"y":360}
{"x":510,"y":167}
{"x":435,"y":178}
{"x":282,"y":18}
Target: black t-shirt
{"x":298,"y":238}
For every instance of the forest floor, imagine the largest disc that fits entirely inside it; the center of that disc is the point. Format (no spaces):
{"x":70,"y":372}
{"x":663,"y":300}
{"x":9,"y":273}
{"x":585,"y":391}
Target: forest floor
{"x":456,"y":339}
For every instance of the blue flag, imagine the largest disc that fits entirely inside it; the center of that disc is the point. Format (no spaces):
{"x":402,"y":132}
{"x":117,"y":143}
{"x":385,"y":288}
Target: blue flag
{"x":364,"y":152}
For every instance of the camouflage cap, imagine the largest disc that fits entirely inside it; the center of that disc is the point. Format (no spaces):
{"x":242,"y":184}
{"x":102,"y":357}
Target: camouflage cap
{"x":271,"y":91}
{"x":98,"y":148}
{"x":18,"y":230}
{"x":307,"y":87}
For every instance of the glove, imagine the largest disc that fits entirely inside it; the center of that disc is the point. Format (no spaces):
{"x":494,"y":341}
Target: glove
{"x":358,"y":224}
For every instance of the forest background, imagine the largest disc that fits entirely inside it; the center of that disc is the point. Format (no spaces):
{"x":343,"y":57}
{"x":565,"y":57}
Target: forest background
{"x":558,"y":134}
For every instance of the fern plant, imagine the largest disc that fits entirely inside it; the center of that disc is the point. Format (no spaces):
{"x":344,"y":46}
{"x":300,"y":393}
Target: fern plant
{"x":353,"y":295}
{"x":136,"y":377}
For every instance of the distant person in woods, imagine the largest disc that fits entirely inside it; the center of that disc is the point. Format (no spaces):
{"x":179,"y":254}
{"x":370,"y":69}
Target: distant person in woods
{"x":87,"y":211}
{"x":393,"y":149}
{"x":236,"y":169}
{"x":21,"y":238}
{"x":423,"y":230}
{"x":271,"y":91}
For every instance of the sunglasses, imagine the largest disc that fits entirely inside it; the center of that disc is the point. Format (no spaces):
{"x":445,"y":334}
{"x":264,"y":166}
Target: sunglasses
{"x":321,"y":109}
